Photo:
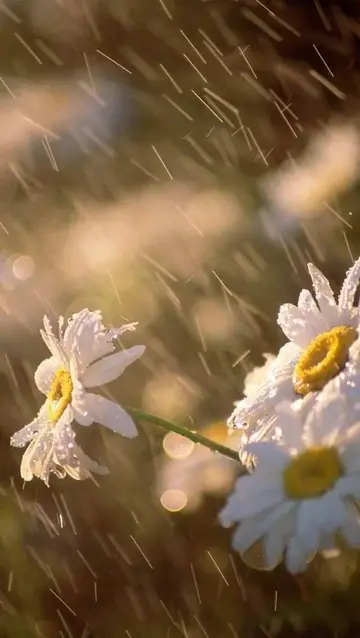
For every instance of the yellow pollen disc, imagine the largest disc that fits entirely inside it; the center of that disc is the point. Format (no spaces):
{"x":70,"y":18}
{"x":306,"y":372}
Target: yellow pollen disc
{"x":323,"y":359}
{"x":312,"y":473}
{"x":60,"y":394}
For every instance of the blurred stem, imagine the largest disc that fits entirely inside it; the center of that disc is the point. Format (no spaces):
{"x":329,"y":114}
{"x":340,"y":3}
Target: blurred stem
{"x":185,"y":432}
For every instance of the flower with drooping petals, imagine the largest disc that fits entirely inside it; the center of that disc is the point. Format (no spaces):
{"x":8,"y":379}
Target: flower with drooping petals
{"x":83,"y":358}
{"x":323,"y":345}
{"x":52,"y":449}
{"x":301,"y":496}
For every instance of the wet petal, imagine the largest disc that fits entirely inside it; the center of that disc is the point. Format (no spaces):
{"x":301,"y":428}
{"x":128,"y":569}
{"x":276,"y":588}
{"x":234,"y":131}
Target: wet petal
{"x":77,"y":464}
{"x":351,"y":528}
{"x":252,"y":495}
{"x":326,"y":420}
{"x":45,"y":373}
{"x":308,"y":528}
{"x":277,"y":538}
{"x":307,"y":304}
{"x":323,"y":292}
{"x":27,"y":433}
{"x":296,"y":557}
{"x":294,"y":325}
{"x":269,"y":457}
{"x":125,"y":328}
{"x":319,"y":517}
{"x":78,"y":404}
{"x":110,"y":414}
{"x":26,"y":472}
{"x":349,"y":287}
{"x":87,"y":339}
{"x":350,"y":458}
{"x":253,"y":529}
{"x":348,"y":486}
{"x":258,"y":376}
{"x":37,"y":460}
{"x":52,"y":342}
{"x":111,"y":367}
{"x":291,"y":426}
{"x":285,"y":361}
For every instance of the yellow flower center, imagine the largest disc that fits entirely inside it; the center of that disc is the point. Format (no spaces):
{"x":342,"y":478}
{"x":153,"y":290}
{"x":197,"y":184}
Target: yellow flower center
{"x":60,"y":394}
{"x":312,"y":473}
{"x":323,"y":359}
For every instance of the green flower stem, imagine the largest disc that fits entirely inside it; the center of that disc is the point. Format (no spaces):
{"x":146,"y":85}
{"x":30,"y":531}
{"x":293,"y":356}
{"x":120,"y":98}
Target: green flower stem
{"x":185,"y":432}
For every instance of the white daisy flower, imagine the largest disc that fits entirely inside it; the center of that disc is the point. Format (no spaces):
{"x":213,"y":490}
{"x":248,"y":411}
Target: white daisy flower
{"x":253,"y":381}
{"x":53,"y":448}
{"x":81,"y":359}
{"x":323,"y":343}
{"x":302,"y":495}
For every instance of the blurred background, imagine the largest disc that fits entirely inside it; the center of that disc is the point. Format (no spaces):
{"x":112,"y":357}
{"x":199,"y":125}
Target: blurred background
{"x":177,"y":164}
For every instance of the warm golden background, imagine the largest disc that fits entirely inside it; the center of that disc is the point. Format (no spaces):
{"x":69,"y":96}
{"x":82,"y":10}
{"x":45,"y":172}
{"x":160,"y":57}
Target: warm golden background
{"x":176,"y":163}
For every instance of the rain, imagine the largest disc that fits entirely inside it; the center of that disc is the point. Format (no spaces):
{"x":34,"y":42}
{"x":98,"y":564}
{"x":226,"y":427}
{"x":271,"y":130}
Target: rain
{"x":175,"y":165}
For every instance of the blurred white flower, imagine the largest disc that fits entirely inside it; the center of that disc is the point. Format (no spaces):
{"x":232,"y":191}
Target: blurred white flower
{"x":323,"y":346}
{"x":303,"y":493}
{"x":192,"y":471}
{"x":53,"y":448}
{"x":81,"y":360}
{"x":299,"y":190}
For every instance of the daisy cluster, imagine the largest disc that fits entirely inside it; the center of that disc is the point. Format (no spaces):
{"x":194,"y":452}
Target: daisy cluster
{"x":298,"y":427}
{"x":301,"y":435}
{"x":82,"y":357}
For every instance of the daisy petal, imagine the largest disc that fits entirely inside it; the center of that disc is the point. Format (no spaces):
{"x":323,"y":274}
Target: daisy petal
{"x":293,"y":324}
{"x":276,"y":540}
{"x":125,"y":328}
{"x":77,"y":464}
{"x":349,"y":287}
{"x":323,"y":291}
{"x":111,"y":367}
{"x":87,"y":339}
{"x":282,"y":369}
{"x":26,"y":434}
{"x":26,"y":472}
{"x":52,"y":342}
{"x":351,"y":529}
{"x":269,"y":457}
{"x":251,"y":497}
{"x":288,"y":353}
{"x":38,"y":458}
{"x":52,"y":346}
{"x":45,"y":373}
{"x":292,"y":428}
{"x":319,"y":517}
{"x":23,"y":436}
{"x":307,"y":304}
{"x":248,"y":533}
{"x":253,"y":529}
{"x":110,"y":414}
{"x":349,"y":486}
{"x":296,"y":557}
{"x":350,"y":458}
{"x":249,"y":411}
{"x":307,"y":524}
{"x":326,"y":421}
